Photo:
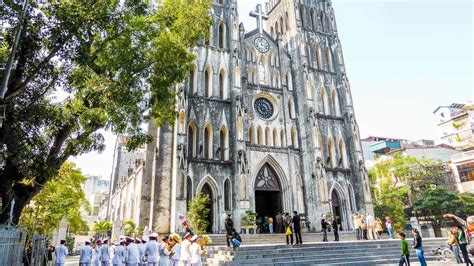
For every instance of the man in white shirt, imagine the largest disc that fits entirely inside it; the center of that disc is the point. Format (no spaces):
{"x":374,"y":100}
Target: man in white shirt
{"x":61,"y":253}
{"x":142,"y":249}
{"x":96,"y":253}
{"x":185,"y":256}
{"x":174,"y":261}
{"x":152,"y":250}
{"x":119,"y":252}
{"x":133,"y":254}
{"x":85,"y":258}
{"x":104,"y":252}
{"x":195,"y":252}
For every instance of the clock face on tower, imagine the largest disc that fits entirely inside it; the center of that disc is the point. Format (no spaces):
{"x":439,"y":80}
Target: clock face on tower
{"x":264,"y":108}
{"x":261,"y":44}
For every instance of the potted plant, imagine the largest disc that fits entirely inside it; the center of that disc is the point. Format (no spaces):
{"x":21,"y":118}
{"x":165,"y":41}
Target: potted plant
{"x":248,"y":222}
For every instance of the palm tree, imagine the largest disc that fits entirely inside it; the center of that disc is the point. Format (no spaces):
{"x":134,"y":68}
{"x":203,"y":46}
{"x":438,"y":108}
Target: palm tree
{"x":102,"y":227}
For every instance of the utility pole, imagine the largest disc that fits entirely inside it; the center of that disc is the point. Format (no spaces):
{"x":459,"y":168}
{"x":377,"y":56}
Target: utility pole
{"x":9,"y":66}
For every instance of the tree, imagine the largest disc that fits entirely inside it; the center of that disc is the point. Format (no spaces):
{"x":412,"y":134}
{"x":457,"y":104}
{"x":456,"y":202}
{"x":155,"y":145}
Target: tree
{"x":198,"y":212}
{"x":437,"y":201}
{"x":61,"y":196}
{"x":102,"y":227}
{"x":83,"y":66}
{"x":129,"y":228}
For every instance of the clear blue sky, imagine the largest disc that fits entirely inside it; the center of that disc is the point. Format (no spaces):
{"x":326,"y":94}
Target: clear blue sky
{"x":403,"y":59}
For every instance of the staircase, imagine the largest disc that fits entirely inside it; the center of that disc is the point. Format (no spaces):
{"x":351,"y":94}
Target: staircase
{"x":330,"y":253}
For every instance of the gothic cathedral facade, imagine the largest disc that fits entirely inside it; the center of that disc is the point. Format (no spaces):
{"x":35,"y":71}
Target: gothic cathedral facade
{"x":266,"y":124}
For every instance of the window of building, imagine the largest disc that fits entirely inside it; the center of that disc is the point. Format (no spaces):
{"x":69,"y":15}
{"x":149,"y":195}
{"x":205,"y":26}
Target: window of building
{"x":466,"y":172}
{"x":227,"y":195}
{"x":222,"y":82}
{"x":224,"y":142}
{"x":192,"y":140}
{"x":208,"y":142}
{"x":222,"y":35}
{"x":207,"y":82}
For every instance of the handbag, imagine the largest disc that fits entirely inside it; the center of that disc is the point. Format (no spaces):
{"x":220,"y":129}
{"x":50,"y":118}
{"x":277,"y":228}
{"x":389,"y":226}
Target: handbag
{"x":288,"y":231}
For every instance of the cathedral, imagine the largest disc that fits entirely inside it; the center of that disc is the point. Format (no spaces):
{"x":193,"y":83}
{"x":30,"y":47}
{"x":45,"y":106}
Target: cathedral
{"x":266,"y":124}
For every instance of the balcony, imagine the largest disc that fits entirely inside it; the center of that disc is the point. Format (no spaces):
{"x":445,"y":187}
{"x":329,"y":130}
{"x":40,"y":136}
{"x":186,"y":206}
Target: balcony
{"x":462,"y":157}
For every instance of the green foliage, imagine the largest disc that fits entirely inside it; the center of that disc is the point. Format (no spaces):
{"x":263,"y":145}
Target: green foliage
{"x":102,"y":227}
{"x":61,"y":196}
{"x":401,"y":180}
{"x":249,"y":218}
{"x":129,"y":228}
{"x":198,"y":212}
{"x":139,"y":232}
{"x":84,"y":66}
{"x":437,"y":201}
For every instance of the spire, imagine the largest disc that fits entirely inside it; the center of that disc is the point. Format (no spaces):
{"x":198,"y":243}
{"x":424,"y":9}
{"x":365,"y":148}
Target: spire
{"x":258,"y":13}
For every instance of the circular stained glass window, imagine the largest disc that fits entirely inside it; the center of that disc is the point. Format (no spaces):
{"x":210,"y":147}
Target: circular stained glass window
{"x":264,"y":108}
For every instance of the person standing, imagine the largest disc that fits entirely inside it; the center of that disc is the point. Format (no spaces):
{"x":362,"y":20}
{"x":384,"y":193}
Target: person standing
{"x":270,"y":224}
{"x":104,"y":253}
{"x":164,"y":252}
{"x":405,"y":259}
{"x":468,"y":224}
{"x":297,"y":227}
{"x":175,"y":258}
{"x":462,"y":240}
{"x":50,"y":254}
{"x":61,"y":253}
{"x":142,"y":249}
{"x":195,"y":251}
{"x":356,"y":225}
{"x":389,"y":225}
{"x":85,"y":257}
{"x":417,"y":245}
{"x":378,"y":228}
{"x":335,"y":228}
{"x":324,"y":228}
{"x":185,"y":255}
{"x":363,"y":226}
{"x":229,"y":225}
{"x":288,"y":230}
{"x":370,"y":222}
{"x":279,"y":223}
{"x":118,"y":253}
{"x":453,"y":243}
{"x":96,"y":253}
{"x":132,"y":254}
{"x":153,"y":250}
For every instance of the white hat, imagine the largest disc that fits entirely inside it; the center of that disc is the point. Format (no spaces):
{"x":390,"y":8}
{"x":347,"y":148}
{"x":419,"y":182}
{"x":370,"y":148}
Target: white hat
{"x":194,"y":238}
{"x":122,"y":237}
{"x":155,"y":235}
{"x":123,"y":241}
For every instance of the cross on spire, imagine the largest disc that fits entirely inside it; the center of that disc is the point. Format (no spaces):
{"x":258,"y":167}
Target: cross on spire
{"x":258,"y":13}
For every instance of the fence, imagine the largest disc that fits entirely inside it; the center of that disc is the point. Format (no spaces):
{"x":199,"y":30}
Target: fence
{"x":39,"y":254}
{"x":12,"y":245}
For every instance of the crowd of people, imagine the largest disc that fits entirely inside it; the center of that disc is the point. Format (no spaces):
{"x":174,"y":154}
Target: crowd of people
{"x":367,"y":227}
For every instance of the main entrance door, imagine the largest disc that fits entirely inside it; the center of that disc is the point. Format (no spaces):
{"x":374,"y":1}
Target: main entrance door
{"x":336,"y":206}
{"x":206,"y":190}
{"x":268,"y":199}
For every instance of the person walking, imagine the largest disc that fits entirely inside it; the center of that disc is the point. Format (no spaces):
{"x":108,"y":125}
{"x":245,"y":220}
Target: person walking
{"x":152,"y":250}
{"x":453,"y":243}
{"x":462,"y":240}
{"x":85,"y":257}
{"x":229,"y":225}
{"x":96,"y":253}
{"x":185,"y":255}
{"x":270,"y":224}
{"x":279,"y":223}
{"x":363,"y":226}
{"x":119,"y":253}
{"x":370,"y":222}
{"x":335,"y":228}
{"x":389,"y":225}
{"x":356,"y":225}
{"x":324,"y":228}
{"x":468,"y":224}
{"x":405,"y":258}
{"x":378,"y":228}
{"x":133,"y":254}
{"x":104,"y":253}
{"x":417,"y":245}
{"x":297,"y":227}
{"x":61,"y":252}
{"x":288,"y":231}
{"x":164,"y":252}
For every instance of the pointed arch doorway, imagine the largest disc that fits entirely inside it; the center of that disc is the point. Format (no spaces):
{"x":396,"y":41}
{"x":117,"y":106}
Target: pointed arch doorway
{"x":268,"y":193}
{"x":206,"y":190}
{"x":336,"y":206}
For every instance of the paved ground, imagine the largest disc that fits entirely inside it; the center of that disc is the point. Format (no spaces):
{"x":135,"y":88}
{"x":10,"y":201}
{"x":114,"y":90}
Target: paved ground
{"x":72,"y":260}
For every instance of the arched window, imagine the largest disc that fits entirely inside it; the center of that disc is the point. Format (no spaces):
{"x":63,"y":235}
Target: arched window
{"x":325,"y":99}
{"x":331,"y":152}
{"x":189,"y":190}
{"x":282,"y":26}
{"x":275,"y":138}
{"x":237,"y":77}
{"x":322,"y":18}
{"x":314,"y":20}
{"x":309,"y":91}
{"x":291,"y":109}
{"x":222,"y":84}
{"x":272,"y":32}
{"x":207,"y":82}
{"x":240,"y":128}
{"x":277,"y":28}
{"x":208,"y":142}
{"x":182,"y":122}
{"x":294,"y":138}
{"x":319,"y":59}
{"x":289,"y":81}
{"x":192,"y":140}
{"x":351,"y":198}
{"x":192,"y":80}
{"x":223,"y":144}
{"x":227,"y":195}
{"x":268,"y":137}
{"x":329,"y":60}
{"x":335,"y":103}
{"x":286,"y":22}
{"x":282,"y":138}
{"x":261,"y":71}
{"x":222,"y":35}
{"x":277,"y":80}
{"x":303,"y":16}
{"x":260,"y":135}
{"x":314,"y":134}
{"x":343,"y":152}
{"x":252,"y":135}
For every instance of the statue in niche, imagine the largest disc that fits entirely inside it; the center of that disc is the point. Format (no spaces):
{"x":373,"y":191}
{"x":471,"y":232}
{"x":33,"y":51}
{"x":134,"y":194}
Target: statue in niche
{"x":261,"y":72}
{"x":242,"y":162}
{"x":243,"y":192}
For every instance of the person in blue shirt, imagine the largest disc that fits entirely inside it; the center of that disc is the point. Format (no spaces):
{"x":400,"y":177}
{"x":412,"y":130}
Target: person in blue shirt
{"x":61,"y":252}
{"x":85,"y":258}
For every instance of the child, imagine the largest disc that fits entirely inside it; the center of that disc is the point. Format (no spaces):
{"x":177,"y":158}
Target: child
{"x":405,"y":259}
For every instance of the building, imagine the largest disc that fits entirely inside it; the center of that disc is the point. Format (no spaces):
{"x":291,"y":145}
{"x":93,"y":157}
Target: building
{"x":456,"y":126}
{"x":266,"y":123}
{"x":97,"y":191}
